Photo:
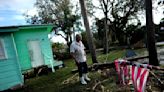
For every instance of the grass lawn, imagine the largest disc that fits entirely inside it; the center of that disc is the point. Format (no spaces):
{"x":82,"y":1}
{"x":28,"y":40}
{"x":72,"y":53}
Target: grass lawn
{"x":64,"y":81}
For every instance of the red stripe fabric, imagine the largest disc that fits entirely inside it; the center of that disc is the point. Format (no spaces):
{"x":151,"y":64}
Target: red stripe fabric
{"x":137,"y":74}
{"x":139,"y":78}
{"x":122,"y":71}
{"x":141,"y":81}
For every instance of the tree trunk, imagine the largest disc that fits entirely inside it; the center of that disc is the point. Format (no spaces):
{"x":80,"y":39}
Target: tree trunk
{"x":151,"y":34}
{"x":89,"y":33}
{"x":106,"y":27}
{"x":106,"y":36}
{"x":73,"y":33}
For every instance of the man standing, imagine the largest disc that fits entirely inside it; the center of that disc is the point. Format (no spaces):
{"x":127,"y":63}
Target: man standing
{"x":79,"y":55}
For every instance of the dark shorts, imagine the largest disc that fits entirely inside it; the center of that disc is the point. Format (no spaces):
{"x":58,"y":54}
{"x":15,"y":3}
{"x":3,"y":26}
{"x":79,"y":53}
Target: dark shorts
{"x":82,"y":68}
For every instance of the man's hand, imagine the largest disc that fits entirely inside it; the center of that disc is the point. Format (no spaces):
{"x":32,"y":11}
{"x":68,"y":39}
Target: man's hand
{"x":77,"y":63}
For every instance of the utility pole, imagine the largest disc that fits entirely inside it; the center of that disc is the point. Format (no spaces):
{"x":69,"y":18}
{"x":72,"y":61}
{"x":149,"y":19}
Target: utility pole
{"x":153,"y":60}
{"x":89,"y":33}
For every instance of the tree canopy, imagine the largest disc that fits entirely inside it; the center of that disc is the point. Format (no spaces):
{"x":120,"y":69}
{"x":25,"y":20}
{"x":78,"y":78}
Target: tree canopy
{"x":56,"y":12}
{"x":121,"y":13}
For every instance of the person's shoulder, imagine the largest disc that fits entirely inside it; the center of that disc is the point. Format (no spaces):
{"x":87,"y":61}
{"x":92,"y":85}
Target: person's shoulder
{"x":73,"y":43}
{"x":81,"y":42}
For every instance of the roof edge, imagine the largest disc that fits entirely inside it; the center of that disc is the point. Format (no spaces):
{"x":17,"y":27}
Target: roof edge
{"x":16,"y":26}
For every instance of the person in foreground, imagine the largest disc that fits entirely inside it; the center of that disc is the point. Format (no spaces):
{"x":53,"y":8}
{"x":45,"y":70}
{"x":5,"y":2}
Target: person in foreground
{"x":79,"y":55}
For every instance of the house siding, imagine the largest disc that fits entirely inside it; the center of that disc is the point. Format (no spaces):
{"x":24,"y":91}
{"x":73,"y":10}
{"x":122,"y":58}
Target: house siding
{"x":10,"y":74}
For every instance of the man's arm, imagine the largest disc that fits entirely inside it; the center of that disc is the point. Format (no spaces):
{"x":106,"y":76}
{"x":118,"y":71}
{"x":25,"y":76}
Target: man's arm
{"x":73,"y":56}
{"x":72,"y":52}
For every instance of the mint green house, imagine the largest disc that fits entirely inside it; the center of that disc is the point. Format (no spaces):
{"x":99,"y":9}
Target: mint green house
{"x":23,"y":48}
{"x":10,"y":71}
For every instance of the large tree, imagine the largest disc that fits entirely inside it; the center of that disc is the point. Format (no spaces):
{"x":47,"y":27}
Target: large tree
{"x":105,"y":7}
{"x":153,"y":60}
{"x":89,"y":33}
{"x":64,"y":14}
{"x":119,"y":14}
{"x":57,"y":12}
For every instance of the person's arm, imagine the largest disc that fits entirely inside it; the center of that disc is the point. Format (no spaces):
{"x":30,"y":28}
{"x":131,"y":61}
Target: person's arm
{"x":83,"y":48}
{"x":72,"y":52}
{"x":73,"y":56}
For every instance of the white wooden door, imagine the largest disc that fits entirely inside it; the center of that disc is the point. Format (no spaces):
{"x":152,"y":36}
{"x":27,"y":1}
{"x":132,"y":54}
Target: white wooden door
{"x":35,"y":53}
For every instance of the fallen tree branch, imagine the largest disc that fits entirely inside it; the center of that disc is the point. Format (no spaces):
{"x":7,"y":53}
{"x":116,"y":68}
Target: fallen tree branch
{"x":76,"y":70}
{"x":99,"y":83}
{"x":97,"y":66}
{"x":136,"y":58}
{"x":69,"y":79}
{"x":158,"y":79}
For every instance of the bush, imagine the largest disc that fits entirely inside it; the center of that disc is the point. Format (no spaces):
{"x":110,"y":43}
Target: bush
{"x":62,"y":55}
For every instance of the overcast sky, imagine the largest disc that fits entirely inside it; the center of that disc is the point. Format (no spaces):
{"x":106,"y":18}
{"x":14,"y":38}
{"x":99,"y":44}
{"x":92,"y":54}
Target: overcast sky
{"x":11,"y":11}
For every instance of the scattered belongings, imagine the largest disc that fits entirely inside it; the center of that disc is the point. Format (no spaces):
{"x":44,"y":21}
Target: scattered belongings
{"x":130,"y":53}
{"x":37,"y":71}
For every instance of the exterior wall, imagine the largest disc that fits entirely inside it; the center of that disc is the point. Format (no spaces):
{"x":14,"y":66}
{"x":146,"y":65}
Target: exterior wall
{"x":10,"y":74}
{"x":32,"y":33}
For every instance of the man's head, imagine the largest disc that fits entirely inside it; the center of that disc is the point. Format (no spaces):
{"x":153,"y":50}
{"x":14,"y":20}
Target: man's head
{"x":78,"y":37}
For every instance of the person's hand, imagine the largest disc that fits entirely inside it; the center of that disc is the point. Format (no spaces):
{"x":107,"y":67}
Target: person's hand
{"x":77,"y":63}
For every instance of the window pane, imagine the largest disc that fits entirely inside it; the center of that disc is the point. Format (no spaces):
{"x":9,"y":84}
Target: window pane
{"x":2,"y":52}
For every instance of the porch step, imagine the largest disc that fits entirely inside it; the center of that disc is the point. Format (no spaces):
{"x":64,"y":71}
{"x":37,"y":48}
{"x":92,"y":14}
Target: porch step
{"x":58,"y":63}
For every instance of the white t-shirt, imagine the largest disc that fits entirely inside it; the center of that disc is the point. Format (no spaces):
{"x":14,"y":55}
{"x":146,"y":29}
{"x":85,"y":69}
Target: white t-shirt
{"x":78,"y":49}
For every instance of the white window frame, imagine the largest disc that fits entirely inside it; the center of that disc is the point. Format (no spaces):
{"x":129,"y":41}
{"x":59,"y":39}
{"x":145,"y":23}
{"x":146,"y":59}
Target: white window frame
{"x":3,"y":48}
